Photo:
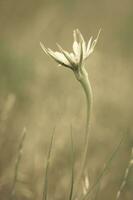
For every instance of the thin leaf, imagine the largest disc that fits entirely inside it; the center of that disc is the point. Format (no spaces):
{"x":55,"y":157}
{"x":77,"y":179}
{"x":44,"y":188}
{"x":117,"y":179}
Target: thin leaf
{"x":17,"y":164}
{"x":44,"y":196}
{"x":105,"y":168}
{"x":72,"y":160}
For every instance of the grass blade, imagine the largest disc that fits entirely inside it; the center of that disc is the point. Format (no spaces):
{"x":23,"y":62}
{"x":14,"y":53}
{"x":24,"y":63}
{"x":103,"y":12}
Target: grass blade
{"x":17,"y":164}
{"x":105,"y":168}
{"x":72,"y":160}
{"x":44,"y":196}
{"x":130,"y":164}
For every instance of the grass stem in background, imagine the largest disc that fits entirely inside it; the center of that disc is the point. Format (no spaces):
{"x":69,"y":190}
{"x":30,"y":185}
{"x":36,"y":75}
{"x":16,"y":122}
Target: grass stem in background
{"x":72,"y":161}
{"x":17,"y":164}
{"x":125,"y":176}
{"x":107,"y":165}
{"x":45,"y":188}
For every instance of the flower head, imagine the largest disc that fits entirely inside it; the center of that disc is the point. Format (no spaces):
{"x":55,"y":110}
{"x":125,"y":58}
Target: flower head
{"x":75,"y":59}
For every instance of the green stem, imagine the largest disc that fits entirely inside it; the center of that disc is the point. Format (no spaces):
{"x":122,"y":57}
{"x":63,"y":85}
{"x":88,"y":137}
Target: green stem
{"x":85,"y":83}
{"x":82,"y":77}
{"x":88,"y":93}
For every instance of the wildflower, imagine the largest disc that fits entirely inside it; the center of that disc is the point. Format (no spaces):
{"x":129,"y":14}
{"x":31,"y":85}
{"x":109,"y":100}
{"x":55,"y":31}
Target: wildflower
{"x":75,"y":62}
{"x":75,"y":59}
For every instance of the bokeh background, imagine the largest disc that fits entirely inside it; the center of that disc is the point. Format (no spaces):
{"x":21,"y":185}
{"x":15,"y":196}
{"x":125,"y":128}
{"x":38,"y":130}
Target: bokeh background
{"x":37,"y":94}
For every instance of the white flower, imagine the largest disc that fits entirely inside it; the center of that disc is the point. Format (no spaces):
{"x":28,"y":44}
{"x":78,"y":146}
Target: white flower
{"x":75,"y":59}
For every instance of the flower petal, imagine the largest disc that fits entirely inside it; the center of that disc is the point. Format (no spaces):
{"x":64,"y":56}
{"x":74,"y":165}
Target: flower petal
{"x":67,"y":55}
{"x":81,"y":38}
{"x":89,"y":45}
{"x":76,"y":48}
{"x":95,"y":42}
{"x":75,"y":35}
{"x":81,"y":55}
{"x":59,"y":57}
{"x":62,"y":58}
{"x":43,"y":48}
{"x":73,"y":57}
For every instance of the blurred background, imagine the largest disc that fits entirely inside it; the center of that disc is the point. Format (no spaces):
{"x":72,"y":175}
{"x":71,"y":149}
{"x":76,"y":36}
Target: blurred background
{"x":37,"y":94}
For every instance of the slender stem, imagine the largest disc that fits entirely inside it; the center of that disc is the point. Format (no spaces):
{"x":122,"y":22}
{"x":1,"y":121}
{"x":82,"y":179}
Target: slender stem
{"x":125,"y":176}
{"x":88,"y":93}
{"x":106,"y":167}
{"x":45,"y":190}
{"x":89,"y":99}
{"x":17,"y":164}
{"x":72,"y":175}
{"x":82,"y":77}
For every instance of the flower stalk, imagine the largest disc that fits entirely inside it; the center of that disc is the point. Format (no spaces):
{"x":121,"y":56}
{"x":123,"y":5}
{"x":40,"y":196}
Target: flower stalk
{"x":85,"y":84}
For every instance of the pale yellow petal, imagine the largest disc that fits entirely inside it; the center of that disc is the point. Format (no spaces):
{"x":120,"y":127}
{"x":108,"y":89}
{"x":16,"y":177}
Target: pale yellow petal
{"x":81,"y":39}
{"x":43,"y":47}
{"x":76,"y":47}
{"x":73,"y":57}
{"x":95,"y":41}
{"x":61,"y":58}
{"x":58,"y":57}
{"x":75,"y":35}
{"x":89,"y":45}
{"x":67,"y":55}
